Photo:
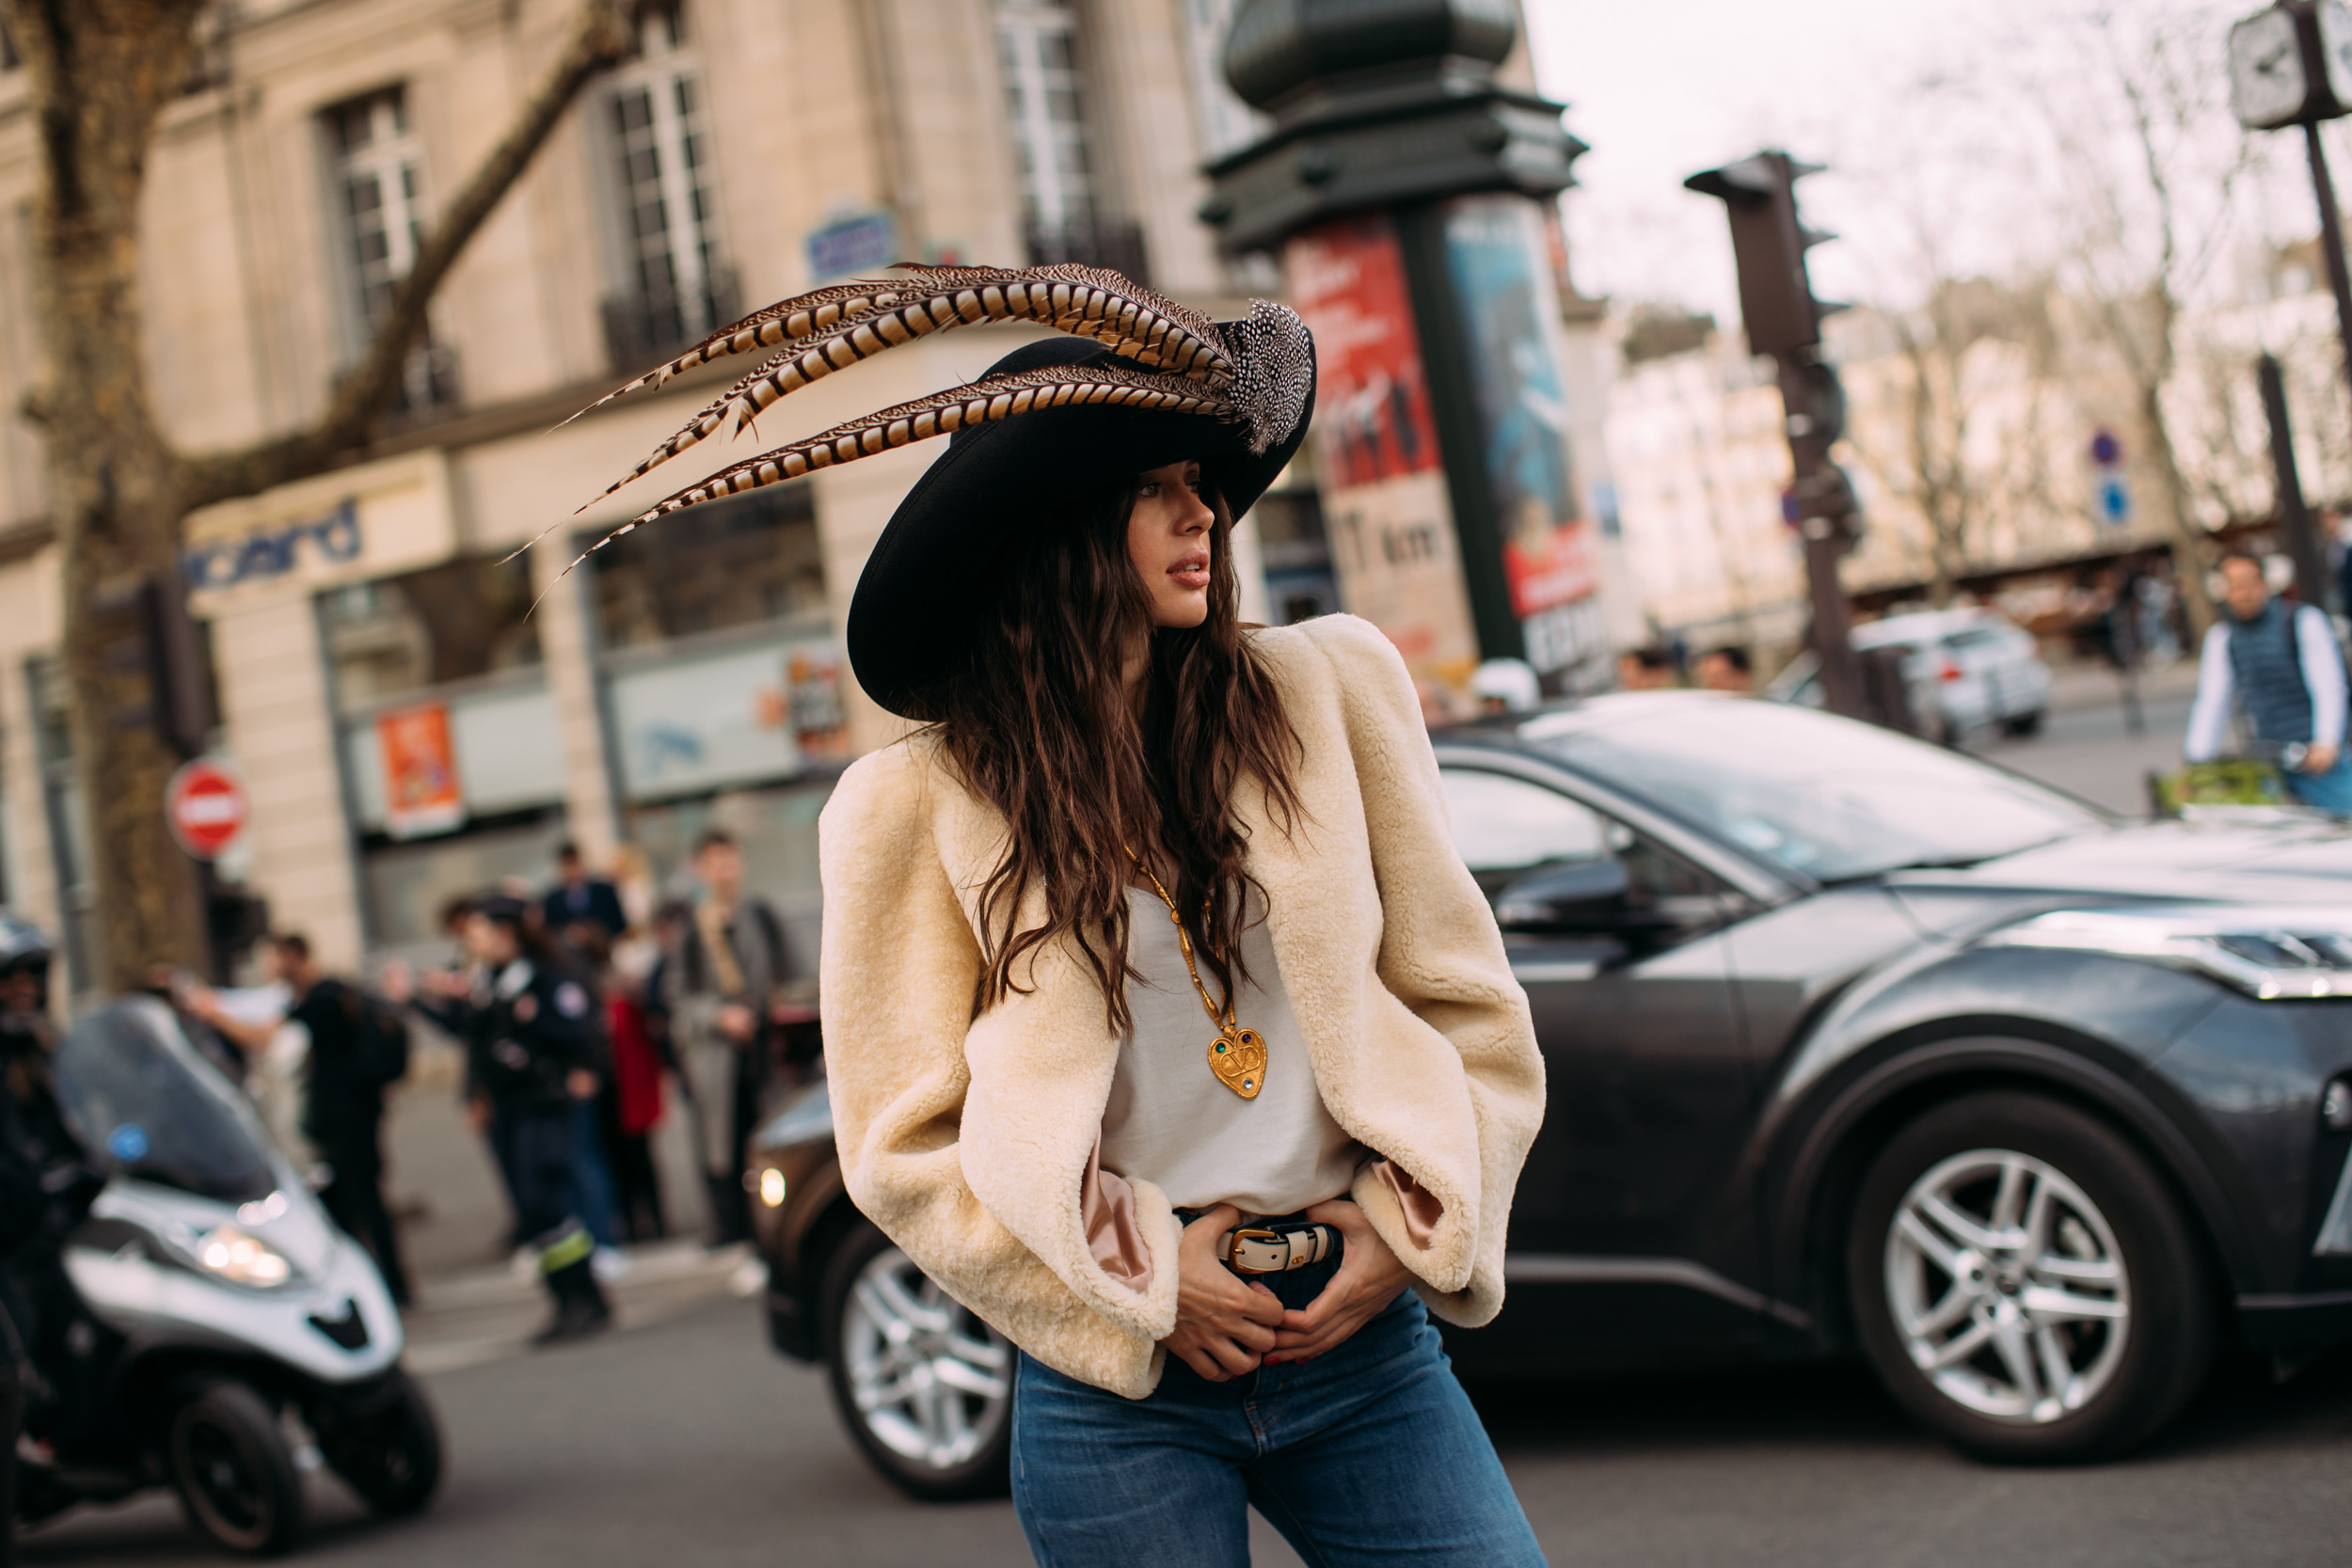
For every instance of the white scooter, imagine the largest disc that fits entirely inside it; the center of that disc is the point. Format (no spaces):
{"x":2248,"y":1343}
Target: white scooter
{"x":230,"y":1324}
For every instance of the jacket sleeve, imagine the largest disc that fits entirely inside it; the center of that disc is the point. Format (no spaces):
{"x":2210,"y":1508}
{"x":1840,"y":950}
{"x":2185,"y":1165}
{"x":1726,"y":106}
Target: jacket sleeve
{"x":2322,"y":675}
{"x":1440,"y":953}
{"x":898,"y":970}
{"x":2209,"y":715}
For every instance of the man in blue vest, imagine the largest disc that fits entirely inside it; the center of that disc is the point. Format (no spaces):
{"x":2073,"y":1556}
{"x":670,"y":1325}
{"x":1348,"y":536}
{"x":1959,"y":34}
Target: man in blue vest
{"x":2280,"y":664}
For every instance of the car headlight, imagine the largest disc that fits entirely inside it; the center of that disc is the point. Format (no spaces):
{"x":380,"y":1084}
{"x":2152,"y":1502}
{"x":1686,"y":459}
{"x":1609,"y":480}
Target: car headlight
{"x":242,"y":1259}
{"x":2273,"y":955}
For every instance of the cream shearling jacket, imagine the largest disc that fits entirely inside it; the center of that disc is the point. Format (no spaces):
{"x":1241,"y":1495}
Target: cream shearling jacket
{"x":967,"y":1136}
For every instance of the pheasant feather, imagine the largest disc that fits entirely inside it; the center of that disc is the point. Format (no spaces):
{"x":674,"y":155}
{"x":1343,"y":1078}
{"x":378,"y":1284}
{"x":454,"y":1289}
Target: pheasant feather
{"x":983,"y":402}
{"x":1133,"y":322}
{"x":1256,"y":373}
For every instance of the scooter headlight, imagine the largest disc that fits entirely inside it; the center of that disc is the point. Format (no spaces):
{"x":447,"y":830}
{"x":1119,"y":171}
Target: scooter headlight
{"x":242,"y":1259}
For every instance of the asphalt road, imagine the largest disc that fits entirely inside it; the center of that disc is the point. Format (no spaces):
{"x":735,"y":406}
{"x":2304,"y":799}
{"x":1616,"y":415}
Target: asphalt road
{"x":687,"y":1442}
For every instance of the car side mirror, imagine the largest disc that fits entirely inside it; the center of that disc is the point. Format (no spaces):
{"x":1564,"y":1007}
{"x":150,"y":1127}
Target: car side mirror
{"x":1580,"y":897}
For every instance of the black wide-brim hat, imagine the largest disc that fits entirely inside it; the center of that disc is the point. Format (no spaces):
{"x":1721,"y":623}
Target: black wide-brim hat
{"x":939,"y":562}
{"x":1153,"y":383}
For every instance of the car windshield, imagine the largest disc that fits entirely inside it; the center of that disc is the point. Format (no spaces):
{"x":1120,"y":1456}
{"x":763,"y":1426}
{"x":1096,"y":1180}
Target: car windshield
{"x":1826,"y":797}
{"x":152,"y":1108}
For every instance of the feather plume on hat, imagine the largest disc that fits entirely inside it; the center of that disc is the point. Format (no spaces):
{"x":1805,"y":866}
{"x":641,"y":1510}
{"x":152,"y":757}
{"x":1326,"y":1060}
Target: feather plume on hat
{"x":1255,"y":373}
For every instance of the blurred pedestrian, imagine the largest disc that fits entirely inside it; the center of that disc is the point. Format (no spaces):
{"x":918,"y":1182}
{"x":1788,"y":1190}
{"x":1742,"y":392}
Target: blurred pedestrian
{"x":446,"y":997}
{"x":630,"y":1106}
{"x":1727,"y":669}
{"x":1648,"y":668}
{"x":2279,"y":665}
{"x":722,"y":990}
{"x":579,"y":899}
{"x":353,"y":1047}
{"x":530,"y":1060}
{"x":47,"y":1183}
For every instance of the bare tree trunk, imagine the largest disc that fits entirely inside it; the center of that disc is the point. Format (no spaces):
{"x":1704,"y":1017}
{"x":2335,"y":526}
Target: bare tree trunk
{"x":98,"y":73}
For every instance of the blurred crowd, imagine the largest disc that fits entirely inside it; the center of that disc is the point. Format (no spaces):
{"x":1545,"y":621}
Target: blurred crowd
{"x":586,"y":1010}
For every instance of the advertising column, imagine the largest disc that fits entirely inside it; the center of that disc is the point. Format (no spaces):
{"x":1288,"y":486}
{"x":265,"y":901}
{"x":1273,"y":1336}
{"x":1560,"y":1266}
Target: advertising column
{"x":1510,"y":330}
{"x":1394,"y":548}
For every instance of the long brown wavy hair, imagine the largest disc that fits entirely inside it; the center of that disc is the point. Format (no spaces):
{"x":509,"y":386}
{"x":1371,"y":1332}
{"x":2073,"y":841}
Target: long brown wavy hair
{"x":1040,"y":725}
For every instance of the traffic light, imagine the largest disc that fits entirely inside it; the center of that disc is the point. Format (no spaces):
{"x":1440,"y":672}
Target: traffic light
{"x":1769,"y":242}
{"x":148,"y":630}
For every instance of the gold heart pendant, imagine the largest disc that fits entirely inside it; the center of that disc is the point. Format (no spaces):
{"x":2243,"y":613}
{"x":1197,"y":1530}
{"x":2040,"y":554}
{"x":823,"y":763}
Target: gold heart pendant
{"x":1237,"y":1057}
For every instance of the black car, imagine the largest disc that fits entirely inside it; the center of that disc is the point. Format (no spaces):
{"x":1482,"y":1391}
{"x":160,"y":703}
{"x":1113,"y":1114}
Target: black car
{"x":1854,"y":1043}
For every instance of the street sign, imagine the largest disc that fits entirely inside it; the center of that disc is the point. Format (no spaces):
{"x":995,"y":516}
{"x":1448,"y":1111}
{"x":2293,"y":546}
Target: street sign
{"x":206,"y":807}
{"x":2115,"y":501}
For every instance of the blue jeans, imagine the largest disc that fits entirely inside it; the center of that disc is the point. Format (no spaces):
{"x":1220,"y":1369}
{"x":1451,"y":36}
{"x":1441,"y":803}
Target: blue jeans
{"x":1369,"y":1453}
{"x":592,"y":1178}
{"x":2328,"y":791}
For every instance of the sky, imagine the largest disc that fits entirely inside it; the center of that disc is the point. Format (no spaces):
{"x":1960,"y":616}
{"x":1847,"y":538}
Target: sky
{"x":1664,"y":88}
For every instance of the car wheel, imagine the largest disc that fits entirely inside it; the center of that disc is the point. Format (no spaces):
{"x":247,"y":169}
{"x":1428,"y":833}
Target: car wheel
{"x":2023,"y":1282}
{"x":924,"y":1386}
{"x":2023,"y":723}
{"x":228,"y":1460}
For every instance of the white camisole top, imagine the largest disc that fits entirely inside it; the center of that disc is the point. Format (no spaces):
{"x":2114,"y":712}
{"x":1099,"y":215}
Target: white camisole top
{"x":1169,"y":1122}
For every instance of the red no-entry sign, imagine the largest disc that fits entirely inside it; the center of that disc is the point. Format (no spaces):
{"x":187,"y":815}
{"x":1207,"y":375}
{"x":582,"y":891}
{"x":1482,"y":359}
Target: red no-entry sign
{"x":206,"y":807}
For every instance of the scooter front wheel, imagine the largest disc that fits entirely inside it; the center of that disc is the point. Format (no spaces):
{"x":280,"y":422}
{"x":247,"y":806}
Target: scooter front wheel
{"x":387,"y":1446}
{"x":229,"y":1459}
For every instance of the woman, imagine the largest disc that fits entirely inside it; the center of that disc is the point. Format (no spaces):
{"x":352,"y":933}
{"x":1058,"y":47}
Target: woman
{"x":1127,"y":812}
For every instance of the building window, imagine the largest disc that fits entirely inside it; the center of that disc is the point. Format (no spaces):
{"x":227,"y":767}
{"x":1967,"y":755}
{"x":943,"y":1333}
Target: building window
{"x":1039,"y":46}
{"x":677,"y":285}
{"x":381,"y":207}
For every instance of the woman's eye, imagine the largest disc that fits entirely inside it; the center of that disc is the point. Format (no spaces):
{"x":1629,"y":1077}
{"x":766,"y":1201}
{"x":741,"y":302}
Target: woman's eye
{"x":1148,"y":491}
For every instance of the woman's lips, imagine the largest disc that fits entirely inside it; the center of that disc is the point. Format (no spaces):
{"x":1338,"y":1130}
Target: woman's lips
{"x":1191,"y":572}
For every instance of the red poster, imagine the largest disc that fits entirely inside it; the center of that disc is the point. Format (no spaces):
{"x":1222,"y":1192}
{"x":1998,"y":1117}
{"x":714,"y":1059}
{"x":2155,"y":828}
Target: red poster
{"x":420,"y":789}
{"x":1371,"y":410}
{"x":1549,"y":567}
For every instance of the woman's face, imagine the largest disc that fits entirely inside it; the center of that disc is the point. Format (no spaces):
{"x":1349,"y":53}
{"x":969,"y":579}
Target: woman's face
{"x":1168,"y":539}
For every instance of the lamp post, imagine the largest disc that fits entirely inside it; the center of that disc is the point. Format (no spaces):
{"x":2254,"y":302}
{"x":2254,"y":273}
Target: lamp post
{"x":2292,"y":65}
{"x":1400,"y":187}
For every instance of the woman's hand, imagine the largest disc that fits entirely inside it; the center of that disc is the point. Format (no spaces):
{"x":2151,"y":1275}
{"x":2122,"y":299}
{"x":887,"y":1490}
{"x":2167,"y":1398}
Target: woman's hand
{"x":1368,"y":1279}
{"x":1223,"y":1326}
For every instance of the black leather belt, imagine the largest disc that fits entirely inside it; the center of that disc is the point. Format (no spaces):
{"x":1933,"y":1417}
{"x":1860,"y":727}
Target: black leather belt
{"x":1272,"y":1245}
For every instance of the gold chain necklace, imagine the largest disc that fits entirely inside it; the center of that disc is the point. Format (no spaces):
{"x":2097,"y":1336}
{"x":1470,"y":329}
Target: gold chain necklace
{"x":1237,"y":1056}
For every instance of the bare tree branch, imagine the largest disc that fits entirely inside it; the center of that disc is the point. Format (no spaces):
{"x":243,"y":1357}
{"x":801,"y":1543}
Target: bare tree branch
{"x":601,"y":36}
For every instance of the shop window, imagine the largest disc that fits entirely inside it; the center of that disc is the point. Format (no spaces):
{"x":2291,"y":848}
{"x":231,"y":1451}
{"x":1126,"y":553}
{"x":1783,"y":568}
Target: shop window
{"x":720,"y":566}
{"x":777,"y":831}
{"x":409,"y":885}
{"x":461,"y":620}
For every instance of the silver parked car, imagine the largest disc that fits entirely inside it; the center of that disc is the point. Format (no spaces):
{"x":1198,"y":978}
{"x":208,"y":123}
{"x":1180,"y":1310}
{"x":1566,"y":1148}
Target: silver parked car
{"x":1967,"y":670}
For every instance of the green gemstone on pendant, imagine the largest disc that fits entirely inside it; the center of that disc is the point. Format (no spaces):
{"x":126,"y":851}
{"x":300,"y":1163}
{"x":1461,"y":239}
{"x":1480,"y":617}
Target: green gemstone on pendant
{"x":1220,"y":1048}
